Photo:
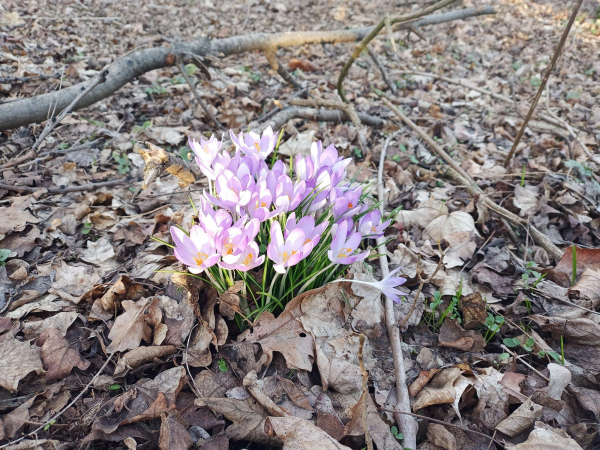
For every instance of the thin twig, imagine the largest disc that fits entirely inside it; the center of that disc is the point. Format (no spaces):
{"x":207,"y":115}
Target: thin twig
{"x":87,"y":386}
{"x":534,"y":103}
{"x":386,"y":20}
{"x":407,"y":425}
{"x":197,"y":95}
{"x":384,"y":72}
{"x":441,"y":422}
{"x":365,"y":391}
{"x":83,"y":187}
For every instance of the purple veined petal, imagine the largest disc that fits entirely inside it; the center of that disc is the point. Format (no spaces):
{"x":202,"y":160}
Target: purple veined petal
{"x":244,"y":198}
{"x":347,"y":260}
{"x":198,"y":236}
{"x":363,"y":255}
{"x":338,"y":231}
{"x":276,"y":235}
{"x":296,"y":239}
{"x":211,"y":260}
{"x":295,"y":258}
{"x":184,"y":257}
{"x":354,"y":241}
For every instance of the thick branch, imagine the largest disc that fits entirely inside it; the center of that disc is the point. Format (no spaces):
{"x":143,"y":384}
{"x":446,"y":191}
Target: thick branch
{"x":35,"y":109}
{"x":319,"y":115}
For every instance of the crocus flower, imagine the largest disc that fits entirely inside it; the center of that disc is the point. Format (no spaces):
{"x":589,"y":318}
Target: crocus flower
{"x":260,"y":203}
{"x":213,"y":225}
{"x":206,"y":150}
{"x":247,"y":260}
{"x":232,"y":242}
{"x":232,"y":193}
{"x":253,"y":144}
{"x":288,"y":252}
{"x":387,"y":286}
{"x":343,"y":250}
{"x":287,"y":194}
{"x":370,"y":225}
{"x":196,"y":251}
{"x":312,"y":232}
{"x":345,"y":204}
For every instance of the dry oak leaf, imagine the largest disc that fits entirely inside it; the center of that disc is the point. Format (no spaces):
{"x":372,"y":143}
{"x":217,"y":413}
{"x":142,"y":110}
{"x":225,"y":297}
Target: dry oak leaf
{"x":440,"y":390}
{"x":248,"y":418}
{"x":521,"y":419}
{"x":579,"y":331}
{"x":441,"y":437}
{"x":284,"y":334}
{"x":527,"y":199}
{"x":424,"y":215}
{"x":588,"y":287}
{"x":378,"y":429}
{"x":299,"y":434}
{"x":128,"y":331}
{"x":16,"y":217}
{"x":423,"y":378}
{"x":17,"y":359}
{"x":57,"y":356}
{"x":474,"y":310}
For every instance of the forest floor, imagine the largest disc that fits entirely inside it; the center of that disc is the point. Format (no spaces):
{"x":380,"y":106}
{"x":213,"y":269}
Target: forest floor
{"x":504,"y":339}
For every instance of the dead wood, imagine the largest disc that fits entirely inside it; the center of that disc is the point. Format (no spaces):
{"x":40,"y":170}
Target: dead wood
{"x":35,"y":109}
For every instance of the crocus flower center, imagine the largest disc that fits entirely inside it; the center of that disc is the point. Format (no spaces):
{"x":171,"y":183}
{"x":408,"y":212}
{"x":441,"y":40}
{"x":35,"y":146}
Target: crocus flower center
{"x":248,"y":259}
{"x":350,"y":205}
{"x":257,"y":147}
{"x":229,"y":248}
{"x":205,"y":148}
{"x":345,"y":253}
{"x":285,"y":256}
{"x":306,"y":241}
{"x":200,"y":259}
{"x":373,"y":229}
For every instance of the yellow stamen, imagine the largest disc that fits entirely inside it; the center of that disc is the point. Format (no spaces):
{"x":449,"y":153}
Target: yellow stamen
{"x":350,"y":205}
{"x":200,"y":259}
{"x":229,"y":248}
{"x":248,"y":259}
{"x":257,"y":147}
{"x":285,"y":256}
{"x":373,"y":229}
{"x":345,"y":253}
{"x":306,"y":241}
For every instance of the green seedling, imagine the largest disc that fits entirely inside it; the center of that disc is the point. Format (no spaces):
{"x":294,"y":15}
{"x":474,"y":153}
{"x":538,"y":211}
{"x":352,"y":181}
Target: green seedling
{"x":223,"y":365}
{"x":574,"y":252}
{"x":4,"y":254}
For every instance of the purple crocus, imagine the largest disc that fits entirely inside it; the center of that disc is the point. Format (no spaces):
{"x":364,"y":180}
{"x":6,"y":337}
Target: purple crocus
{"x":196,"y":251}
{"x":232,"y":193}
{"x":345,"y":203}
{"x":247,"y":260}
{"x":370,"y":225}
{"x":287,"y":194}
{"x":312,"y":232}
{"x":285,"y":252}
{"x":343,"y":250}
{"x":387,"y":286}
{"x":253,"y":144}
{"x":232,"y":242}
{"x":206,"y":150}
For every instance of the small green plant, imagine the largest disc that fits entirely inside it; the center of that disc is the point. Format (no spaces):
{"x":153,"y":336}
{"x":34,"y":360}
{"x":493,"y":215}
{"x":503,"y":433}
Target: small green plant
{"x":357,"y":152}
{"x":403,"y":148}
{"x":396,"y":159}
{"x":574,"y":252}
{"x":413,"y":159}
{"x":52,"y":422}
{"x":255,"y":76}
{"x":396,"y":433}
{"x":492,"y":324}
{"x":536,"y":276}
{"x":63,"y":146}
{"x":114,"y":387}
{"x":4,"y":254}
{"x":523,"y":176}
{"x":87,"y":227}
{"x":190,"y":69}
{"x":562,"y":351}
{"x":528,"y":346}
{"x":137,"y":129}
{"x":184,"y":153}
{"x":156,"y":89}
{"x":122,"y":162}
{"x":517,"y":65}
{"x":433,"y":306}
{"x":535,"y":80}
{"x":452,"y":309}
{"x":223,"y":365}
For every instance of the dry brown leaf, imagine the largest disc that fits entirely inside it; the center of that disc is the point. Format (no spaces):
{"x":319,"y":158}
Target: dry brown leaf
{"x":127,"y":333}
{"x":299,"y":434}
{"x":284,"y":334}
{"x":562,"y":274}
{"x":423,"y":378}
{"x":493,"y":404}
{"x":440,"y":436}
{"x":423,"y":215}
{"x":303,"y":64}
{"x":579,"y":331}
{"x":327,"y":418}
{"x":474,"y":310}
{"x":229,"y":301}
{"x":61,"y":321}
{"x":15,"y":420}
{"x":547,"y":439}
{"x":173,"y":433}
{"x":16,"y":217}
{"x":17,"y":359}
{"x":588,"y":287}
{"x":521,"y":419}
{"x":588,"y":399}
{"x":72,"y":282}
{"x":253,"y":385}
{"x":527,"y":200}
{"x":141,"y":355}
{"x":447,"y":225}
{"x":378,"y":429}
{"x":248,"y":418}
{"x":440,"y":390}
{"x":57,"y":355}
{"x":453,"y":336}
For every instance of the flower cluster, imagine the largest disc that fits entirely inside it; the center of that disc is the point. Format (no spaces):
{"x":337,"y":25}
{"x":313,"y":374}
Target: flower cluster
{"x":303,"y":223}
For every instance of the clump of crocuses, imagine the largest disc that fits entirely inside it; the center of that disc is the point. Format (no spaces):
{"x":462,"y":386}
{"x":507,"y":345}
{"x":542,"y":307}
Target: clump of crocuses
{"x":280,"y":228}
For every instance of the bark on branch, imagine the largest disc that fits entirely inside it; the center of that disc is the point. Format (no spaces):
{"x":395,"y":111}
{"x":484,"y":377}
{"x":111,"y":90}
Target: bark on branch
{"x":35,"y":109}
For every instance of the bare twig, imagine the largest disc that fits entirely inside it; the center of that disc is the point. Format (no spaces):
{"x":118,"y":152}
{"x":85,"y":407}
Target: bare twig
{"x":365,"y":391}
{"x":197,"y":95}
{"x":384,"y":72}
{"x":441,"y":422}
{"x":54,"y":418}
{"x":534,"y":103}
{"x":462,"y":178}
{"x":405,"y":422}
{"x":279,"y":105}
{"x":270,"y":52}
{"x":375,"y":31}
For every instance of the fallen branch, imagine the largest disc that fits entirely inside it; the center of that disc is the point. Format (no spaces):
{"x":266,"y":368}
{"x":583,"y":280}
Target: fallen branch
{"x":462,"y":178}
{"x":319,"y":115}
{"x":383,"y":70}
{"x":406,"y":423}
{"x":34,"y":109}
{"x":365,"y":391}
{"x":534,"y":103}
{"x":389,"y":21}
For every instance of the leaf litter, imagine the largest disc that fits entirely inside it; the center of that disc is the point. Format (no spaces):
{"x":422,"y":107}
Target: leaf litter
{"x":498,"y":342}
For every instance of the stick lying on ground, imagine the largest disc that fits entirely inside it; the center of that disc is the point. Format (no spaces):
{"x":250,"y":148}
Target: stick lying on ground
{"x":35,"y":109}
